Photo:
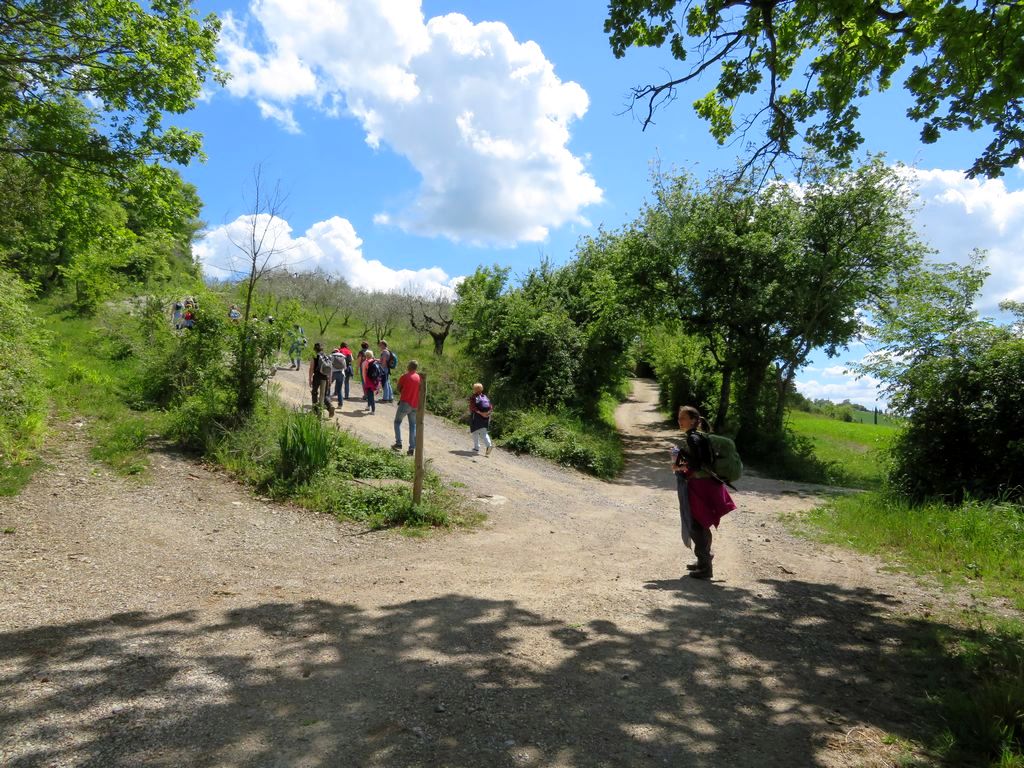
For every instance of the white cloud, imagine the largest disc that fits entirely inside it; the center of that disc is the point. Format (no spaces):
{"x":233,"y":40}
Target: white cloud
{"x":482,"y":117}
{"x":863,"y":390}
{"x":283,"y":115}
{"x":959,"y":214}
{"x":331,"y":245}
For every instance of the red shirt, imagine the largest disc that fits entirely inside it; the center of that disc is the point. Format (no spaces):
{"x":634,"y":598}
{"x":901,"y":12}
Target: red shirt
{"x":409,"y":387}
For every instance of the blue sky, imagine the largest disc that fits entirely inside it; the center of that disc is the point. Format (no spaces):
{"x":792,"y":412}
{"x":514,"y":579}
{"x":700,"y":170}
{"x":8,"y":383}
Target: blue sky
{"x":416,"y":140}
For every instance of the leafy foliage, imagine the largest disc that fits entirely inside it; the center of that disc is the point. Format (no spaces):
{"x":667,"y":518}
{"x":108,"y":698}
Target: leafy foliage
{"x":137,"y":64}
{"x":22,"y":399}
{"x":957,"y":380}
{"x":965,"y":57}
{"x":764,"y":276}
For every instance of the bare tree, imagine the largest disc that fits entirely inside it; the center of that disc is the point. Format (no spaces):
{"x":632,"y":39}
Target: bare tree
{"x":432,"y":315}
{"x":326,"y":294}
{"x":380,"y":312}
{"x":261,"y":249}
{"x":261,"y":245}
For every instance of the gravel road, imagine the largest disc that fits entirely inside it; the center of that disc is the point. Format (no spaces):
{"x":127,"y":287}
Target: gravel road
{"x":179,"y":621}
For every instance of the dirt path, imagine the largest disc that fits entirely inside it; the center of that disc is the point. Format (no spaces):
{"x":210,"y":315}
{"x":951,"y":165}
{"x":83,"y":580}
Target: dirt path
{"x":181,"y":622}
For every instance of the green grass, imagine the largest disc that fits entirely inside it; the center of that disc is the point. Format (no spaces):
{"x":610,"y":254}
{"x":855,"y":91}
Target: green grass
{"x":853,"y":451}
{"x":976,"y":664}
{"x":88,"y":377}
{"x":14,"y":477}
{"x":980,"y":544}
{"x":298,"y":458}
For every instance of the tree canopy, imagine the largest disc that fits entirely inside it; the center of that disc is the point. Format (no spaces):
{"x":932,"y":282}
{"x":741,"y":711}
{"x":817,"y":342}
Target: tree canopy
{"x":962,"y":63}
{"x":88,"y":82}
{"x":764,"y":276}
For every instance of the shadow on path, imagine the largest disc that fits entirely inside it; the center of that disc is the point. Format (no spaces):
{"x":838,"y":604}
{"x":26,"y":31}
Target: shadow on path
{"x":725,"y":676}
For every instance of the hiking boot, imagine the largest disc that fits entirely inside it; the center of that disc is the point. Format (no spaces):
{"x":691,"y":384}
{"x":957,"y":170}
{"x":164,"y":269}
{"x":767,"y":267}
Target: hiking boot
{"x":411,"y":452}
{"x":693,"y":566}
{"x":488,"y":451}
{"x":702,"y":573}
{"x":396,"y":447}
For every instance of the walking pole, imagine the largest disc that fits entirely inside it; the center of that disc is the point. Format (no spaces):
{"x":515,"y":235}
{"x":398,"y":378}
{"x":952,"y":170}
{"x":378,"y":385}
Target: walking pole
{"x":417,"y":483}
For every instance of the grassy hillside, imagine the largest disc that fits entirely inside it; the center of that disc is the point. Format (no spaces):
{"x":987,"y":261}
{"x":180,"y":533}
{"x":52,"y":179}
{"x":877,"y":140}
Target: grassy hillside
{"x":856,"y":450}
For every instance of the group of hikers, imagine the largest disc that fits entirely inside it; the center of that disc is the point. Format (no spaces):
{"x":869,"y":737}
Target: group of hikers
{"x":330,"y":376}
{"x":703,"y":496}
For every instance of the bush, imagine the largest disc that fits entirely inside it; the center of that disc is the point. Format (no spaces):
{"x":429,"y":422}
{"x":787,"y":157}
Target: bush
{"x":22,"y":396}
{"x":306,"y":447}
{"x":965,"y":434}
{"x":564,"y":437}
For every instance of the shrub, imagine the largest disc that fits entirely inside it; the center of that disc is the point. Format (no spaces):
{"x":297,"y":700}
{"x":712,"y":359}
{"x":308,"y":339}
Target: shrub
{"x":306,"y":447}
{"x":564,"y":437}
{"x":22,"y":399}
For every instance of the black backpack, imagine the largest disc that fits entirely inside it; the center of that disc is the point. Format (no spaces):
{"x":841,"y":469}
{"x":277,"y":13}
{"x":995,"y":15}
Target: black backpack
{"x":374,"y":371}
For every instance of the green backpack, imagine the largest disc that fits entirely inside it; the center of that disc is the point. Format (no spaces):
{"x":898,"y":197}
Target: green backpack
{"x":726,"y":463}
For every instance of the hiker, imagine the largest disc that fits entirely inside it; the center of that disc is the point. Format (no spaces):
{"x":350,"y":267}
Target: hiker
{"x":188,"y":318}
{"x":372,"y":376}
{"x":320,"y":379}
{"x":343,"y":348}
{"x":408,"y":402}
{"x":234,"y":313}
{"x":388,"y":361}
{"x":703,"y":498}
{"x":339,"y":362}
{"x":177,"y":315}
{"x":480,"y":418}
{"x":364,"y":347}
{"x":298,"y":343}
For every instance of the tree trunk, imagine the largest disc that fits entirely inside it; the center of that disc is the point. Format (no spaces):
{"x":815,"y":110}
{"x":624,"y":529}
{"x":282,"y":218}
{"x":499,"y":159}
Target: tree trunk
{"x":439,"y":339}
{"x":749,"y":432}
{"x":724,"y":393}
{"x":781,"y":387}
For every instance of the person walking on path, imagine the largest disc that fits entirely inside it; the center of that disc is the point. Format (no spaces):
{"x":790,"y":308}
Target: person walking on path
{"x":320,"y":379}
{"x":372,"y":375}
{"x":480,"y":418}
{"x":387,"y":362}
{"x":298,"y":343}
{"x":408,"y":402}
{"x":364,"y":347}
{"x":339,"y":362}
{"x":703,"y":498}
{"x":343,"y":348}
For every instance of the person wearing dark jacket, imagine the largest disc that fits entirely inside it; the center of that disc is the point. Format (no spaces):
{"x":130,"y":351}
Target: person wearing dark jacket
{"x":703,"y":498}
{"x":320,"y":380}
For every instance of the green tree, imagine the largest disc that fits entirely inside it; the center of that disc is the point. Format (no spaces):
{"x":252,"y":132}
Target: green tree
{"x":764,"y":276}
{"x":957,"y":379}
{"x":119,"y":65}
{"x":964,"y":64}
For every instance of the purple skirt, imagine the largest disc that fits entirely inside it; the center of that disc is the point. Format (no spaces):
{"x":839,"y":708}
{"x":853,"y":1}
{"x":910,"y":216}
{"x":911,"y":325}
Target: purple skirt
{"x":709,"y":500}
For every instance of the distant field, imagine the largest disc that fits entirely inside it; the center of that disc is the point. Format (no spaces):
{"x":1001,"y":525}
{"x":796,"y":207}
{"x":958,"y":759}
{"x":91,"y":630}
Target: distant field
{"x":855,"y":448}
{"x":868,"y":417}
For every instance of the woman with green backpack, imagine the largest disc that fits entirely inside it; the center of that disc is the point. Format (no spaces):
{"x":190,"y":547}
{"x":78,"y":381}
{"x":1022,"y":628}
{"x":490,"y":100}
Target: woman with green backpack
{"x":703,"y":497}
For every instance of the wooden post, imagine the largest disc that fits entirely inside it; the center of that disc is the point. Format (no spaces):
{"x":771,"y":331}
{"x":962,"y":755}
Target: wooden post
{"x":417,"y":483}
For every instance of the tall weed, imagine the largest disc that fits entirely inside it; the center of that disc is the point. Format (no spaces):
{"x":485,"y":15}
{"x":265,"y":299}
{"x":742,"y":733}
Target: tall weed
{"x":306,"y":447}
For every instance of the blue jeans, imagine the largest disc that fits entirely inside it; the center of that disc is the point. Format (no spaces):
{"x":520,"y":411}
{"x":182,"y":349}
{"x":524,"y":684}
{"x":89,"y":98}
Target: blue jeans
{"x":369,"y":400}
{"x":348,"y":379}
{"x":405,"y":410}
{"x":339,"y":377}
{"x":388,"y":394}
